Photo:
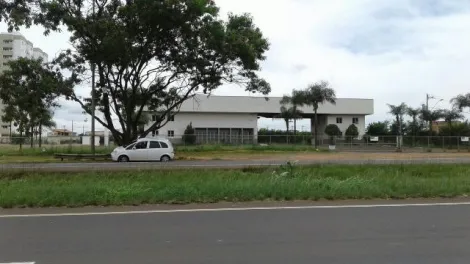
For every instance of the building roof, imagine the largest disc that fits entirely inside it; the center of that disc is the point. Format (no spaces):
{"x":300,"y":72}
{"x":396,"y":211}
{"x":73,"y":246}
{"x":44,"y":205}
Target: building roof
{"x":259,"y":105}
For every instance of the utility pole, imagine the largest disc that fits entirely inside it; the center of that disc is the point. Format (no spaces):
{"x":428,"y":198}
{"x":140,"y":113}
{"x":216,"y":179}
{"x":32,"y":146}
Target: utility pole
{"x":92,"y":139}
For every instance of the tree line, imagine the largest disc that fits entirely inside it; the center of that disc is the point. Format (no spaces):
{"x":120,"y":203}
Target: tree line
{"x":421,"y":120}
{"x":146,"y":56}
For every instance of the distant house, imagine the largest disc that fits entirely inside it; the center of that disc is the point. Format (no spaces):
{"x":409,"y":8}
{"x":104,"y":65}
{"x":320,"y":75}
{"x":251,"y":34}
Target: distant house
{"x":61,"y":133}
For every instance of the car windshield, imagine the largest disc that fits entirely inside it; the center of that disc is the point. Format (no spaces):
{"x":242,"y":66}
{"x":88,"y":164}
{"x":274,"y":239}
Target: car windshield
{"x":133,"y":142}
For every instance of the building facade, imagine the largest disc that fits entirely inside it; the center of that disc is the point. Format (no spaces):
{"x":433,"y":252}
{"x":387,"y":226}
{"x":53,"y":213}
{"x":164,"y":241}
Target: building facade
{"x":12,"y":47}
{"x":234,"y":119}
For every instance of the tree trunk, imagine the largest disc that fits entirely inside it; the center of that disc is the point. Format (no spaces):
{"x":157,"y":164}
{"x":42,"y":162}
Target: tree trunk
{"x":315,"y":137}
{"x":399,"y":131}
{"x":40,"y":135}
{"x":287,"y":130}
{"x":21,"y":138}
{"x":32,"y":136}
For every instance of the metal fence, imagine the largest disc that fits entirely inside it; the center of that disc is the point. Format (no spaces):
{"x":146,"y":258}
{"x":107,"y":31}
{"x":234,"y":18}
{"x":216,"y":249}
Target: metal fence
{"x":382,"y":143}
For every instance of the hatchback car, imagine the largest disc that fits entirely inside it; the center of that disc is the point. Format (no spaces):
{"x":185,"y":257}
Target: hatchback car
{"x":145,"y":149}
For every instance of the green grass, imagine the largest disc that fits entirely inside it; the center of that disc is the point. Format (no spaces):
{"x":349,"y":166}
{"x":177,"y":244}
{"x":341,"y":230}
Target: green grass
{"x":290,"y":182}
{"x":49,"y":150}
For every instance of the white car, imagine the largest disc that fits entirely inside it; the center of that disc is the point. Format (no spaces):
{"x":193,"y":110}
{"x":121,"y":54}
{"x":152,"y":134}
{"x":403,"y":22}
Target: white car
{"x":145,"y":149}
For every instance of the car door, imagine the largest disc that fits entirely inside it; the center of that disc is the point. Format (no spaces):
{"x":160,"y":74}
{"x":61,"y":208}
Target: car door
{"x":155,"y":151}
{"x":139,"y":152}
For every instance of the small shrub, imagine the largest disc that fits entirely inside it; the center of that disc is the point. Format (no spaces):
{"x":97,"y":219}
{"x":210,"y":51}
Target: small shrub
{"x":189,"y":137}
{"x":332,"y":130}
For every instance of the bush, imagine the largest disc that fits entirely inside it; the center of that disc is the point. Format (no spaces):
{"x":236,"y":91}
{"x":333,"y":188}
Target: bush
{"x":352,"y":132}
{"x":189,"y":137}
{"x":332,"y":131}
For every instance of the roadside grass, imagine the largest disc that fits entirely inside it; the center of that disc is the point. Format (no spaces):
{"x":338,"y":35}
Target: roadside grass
{"x":288,"y":182}
{"x":12,"y":154}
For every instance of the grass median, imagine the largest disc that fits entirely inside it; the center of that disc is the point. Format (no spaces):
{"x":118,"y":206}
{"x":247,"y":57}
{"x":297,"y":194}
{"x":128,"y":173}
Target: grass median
{"x":288,"y":182}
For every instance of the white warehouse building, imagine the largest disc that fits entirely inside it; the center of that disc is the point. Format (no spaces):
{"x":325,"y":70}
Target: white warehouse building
{"x":224,"y":119}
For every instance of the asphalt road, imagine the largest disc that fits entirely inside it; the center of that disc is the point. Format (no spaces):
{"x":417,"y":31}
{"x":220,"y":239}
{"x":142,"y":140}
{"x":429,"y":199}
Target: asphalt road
{"x":422,"y":234}
{"x":217,"y":164}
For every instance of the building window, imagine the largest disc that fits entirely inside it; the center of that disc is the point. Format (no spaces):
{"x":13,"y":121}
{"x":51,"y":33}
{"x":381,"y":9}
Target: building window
{"x":7,"y":56}
{"x":155,"y":133}
{"x":339,"y":120}
{"x":7,"y":41}
{"x":355,"y":120}
{"x":171,"y":118}
{"x":7,"y":48}
{"x":171,"y":133}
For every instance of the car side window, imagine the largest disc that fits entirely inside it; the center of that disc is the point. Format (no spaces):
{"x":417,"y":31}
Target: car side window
{"x":154,"y":144}
{"x":130,"y":146}
{"x":141,"y":145}
{"x":163,"y":144}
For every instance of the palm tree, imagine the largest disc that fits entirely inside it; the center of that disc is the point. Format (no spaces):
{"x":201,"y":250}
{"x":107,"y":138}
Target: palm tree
{"x":414,"y":114}
{"x":295,"y":99}
{"x":398,"y":111}
{"x":450,"y":116}
{"x":316,"y":94}
{"x":431,"y":116}
{"x":461,"y":101}
{"x":286,"y":114}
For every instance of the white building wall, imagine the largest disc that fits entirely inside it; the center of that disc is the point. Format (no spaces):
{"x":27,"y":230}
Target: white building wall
{"x":208,"y":120}
{"x":249,"y":104}
{"x":347,"y":120}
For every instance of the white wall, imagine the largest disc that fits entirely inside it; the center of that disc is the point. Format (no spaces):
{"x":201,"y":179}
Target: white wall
{"x":347,"y":121}
{"x":249,"y":104}
{"x":209,"y":120}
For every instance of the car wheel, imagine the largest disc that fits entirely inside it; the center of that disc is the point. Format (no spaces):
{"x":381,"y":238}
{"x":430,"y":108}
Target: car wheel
{"x":165,"y":158}
{"x":123,"y":158}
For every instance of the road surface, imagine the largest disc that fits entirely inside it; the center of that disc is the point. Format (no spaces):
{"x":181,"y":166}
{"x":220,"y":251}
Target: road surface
{"x":64,"y":166}
{"x":364,"y":235}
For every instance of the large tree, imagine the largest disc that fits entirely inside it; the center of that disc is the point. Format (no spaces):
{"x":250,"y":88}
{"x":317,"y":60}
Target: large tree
{"x":461,"y":101}
{"x":29,"y":89}
{"x":295,"y":99}
{"x":315,"y":95}
{"x":150,"y":56}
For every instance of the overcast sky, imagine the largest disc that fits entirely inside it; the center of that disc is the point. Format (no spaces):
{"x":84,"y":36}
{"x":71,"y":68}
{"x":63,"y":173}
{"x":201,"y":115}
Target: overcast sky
{"x":392,"y":51}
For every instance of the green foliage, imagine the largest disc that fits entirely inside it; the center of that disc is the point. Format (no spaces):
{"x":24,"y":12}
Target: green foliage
{"x":430,"y":116}
{"x":189,"y":137}
{"x":149,"y":55}
{"x":333,"y":182}
{"x":378,"y":128}
{"x":29,"y":90}
{"x":461,"y":101}
{"x":316,"y":94}
{"x":332,"y":130}
{"x":295,"y":100}
{"x":351,"y":132}
{"x":398,"y":111}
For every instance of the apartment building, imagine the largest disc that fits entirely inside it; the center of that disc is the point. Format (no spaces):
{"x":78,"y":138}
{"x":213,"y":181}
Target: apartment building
{"x":12,"y":47}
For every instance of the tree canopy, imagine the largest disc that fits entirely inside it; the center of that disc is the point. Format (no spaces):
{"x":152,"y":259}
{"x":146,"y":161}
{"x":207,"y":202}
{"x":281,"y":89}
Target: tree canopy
{"x":29,"y":90}
{"x":149,"y":55}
